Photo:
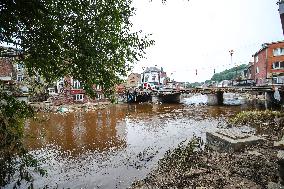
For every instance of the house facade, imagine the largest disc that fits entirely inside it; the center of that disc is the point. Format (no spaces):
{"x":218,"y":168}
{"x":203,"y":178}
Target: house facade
{"x":133,"y":80}
{"x":68,"y":90}
{"x":268,"y":65}
{"x":13,"y":73}
{"x":154,"y":76}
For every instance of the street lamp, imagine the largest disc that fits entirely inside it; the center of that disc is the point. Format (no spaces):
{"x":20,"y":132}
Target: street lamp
{"x":231,"y":53}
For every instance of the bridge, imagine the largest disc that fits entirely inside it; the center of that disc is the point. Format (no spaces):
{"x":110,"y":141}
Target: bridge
{"x":214,"y":94}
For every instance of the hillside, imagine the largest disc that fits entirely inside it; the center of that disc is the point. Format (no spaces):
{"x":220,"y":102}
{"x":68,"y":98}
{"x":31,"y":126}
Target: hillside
{"x":228,"y":74}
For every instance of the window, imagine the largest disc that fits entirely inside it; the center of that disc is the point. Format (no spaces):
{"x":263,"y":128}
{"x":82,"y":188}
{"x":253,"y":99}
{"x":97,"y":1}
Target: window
{"x":76,"y":84}
{"x":20,"y":77}
{"x":281,"y":51}
{"x":153,"y":78}
{"x":79,"y":97}
{"x":275,"y":52}
{"x":51,"y":90}
{"x":20,"y":67}
{"x":278,"y":51}
{"x":257,"y":70}
{"x":278,"y":65}
{"x":99,"y":96}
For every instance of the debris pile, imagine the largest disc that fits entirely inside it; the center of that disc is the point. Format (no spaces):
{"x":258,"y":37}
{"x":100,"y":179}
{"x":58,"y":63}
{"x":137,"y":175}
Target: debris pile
{"x":190,"y":166}
{"x":194,"y":164}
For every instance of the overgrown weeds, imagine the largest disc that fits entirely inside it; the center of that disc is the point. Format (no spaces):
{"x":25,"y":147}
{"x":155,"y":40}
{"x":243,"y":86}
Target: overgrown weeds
{"x":266,"y":122}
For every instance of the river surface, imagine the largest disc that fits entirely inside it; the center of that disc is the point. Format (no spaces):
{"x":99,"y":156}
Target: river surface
{"x":113,"y":147}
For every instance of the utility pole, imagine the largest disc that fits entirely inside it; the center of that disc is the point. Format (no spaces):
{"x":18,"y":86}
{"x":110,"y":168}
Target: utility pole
{"x":231,"y":54}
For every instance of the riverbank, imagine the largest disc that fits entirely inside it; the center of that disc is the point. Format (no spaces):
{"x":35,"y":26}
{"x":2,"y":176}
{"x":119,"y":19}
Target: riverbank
{"x":68,"y":108}
{"x":193,"y":165}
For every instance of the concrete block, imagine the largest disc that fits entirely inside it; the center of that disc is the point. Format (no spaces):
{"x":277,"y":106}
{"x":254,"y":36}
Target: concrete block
{"x":230,"y":140}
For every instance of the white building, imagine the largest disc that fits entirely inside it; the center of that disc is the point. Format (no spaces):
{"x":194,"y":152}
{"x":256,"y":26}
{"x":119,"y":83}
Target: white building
{"x":154,"y":76}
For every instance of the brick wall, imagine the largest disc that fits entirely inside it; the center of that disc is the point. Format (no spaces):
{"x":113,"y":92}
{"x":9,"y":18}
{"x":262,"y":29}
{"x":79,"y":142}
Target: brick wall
{"x":265,"y":62}
{"x":272,"y":59}
{"x":260,"y":77}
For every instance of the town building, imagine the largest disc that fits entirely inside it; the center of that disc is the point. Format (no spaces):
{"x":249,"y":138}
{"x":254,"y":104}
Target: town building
{"x":154,"y":76}
{"x":68,"y":90}
{"x":133,"y":80}
{"x":268,"y":65}
{"x":249,"y":72}
{"x":13,"y":73}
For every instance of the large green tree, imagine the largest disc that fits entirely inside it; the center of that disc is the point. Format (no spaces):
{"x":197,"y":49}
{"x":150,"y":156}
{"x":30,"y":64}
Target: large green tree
{"x":90,"y":40}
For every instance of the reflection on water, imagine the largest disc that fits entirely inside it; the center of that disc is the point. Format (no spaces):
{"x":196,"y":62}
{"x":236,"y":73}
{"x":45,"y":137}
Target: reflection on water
{"x":79,"y":131}
{"x":113,"y":147}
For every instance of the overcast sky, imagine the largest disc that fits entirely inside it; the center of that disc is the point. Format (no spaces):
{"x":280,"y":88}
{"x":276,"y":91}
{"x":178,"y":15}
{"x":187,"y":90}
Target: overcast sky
{"x":198,"y":34}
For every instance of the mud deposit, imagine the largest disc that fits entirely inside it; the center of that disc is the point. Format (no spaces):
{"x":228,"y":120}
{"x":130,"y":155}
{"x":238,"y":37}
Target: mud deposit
{"x":187,"y":168}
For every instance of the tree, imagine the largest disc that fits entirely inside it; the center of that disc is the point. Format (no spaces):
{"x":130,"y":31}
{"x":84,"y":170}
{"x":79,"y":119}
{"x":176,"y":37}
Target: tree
{"x":91,"y":41}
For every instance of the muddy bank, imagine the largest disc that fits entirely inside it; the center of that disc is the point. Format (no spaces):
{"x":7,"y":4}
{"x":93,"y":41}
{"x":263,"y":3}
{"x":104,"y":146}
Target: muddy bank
{"x":68,"y":108}
{"x":186,"y":168}
{"x":194,"y":164}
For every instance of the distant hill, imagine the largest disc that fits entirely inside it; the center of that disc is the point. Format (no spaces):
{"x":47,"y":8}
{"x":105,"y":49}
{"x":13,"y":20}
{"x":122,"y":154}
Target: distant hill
{"x":224,"y":75}
{"x":229,"y":74}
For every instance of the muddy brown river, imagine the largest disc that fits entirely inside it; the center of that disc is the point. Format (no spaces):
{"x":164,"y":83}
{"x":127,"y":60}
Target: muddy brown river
{"x":113,"y":147}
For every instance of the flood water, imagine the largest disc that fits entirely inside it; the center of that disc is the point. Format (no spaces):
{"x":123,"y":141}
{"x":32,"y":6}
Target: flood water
{"x":113,"y":147}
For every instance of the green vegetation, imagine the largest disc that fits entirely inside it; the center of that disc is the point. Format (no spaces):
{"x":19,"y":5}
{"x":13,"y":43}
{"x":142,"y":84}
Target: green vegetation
{"x":229,"y":74}
{"x":268,"y":122}
{"x":194,"y":85}
{"x":255,"y":117}
{"x":91,"y":41}
{"x":12,"y":119}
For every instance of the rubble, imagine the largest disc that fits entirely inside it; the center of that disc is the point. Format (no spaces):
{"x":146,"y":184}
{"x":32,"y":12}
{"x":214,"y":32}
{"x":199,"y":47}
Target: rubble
{"x":257,"y":165}
{"x":188,"y":168}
